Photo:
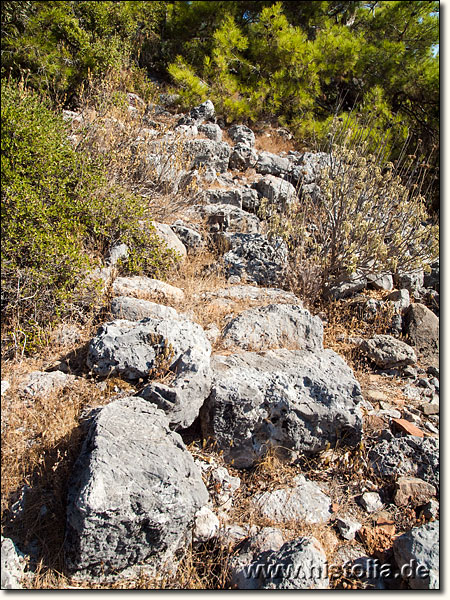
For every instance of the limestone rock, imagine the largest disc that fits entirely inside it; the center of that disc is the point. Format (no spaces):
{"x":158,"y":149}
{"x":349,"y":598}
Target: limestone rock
{"x":421,"y":326}
{"x":133,"y":349}
{"x":299,"y":565}
{"x":421,"y":545}
{"x":170,"y":239}
{"x":254,"y":258}
{"x":275,"y":326}
{"x":39,"y":384}
{"x":12,"y":569}
{"x":240,"y":134}
{"x":199,"y":114}
{"x":412,"y":456}
{"x":272,"y":164}
{"x":412,"y":281}
{"x":243,"y":157}
{"x":134,"y":309}
{"x":348,"y":527}
{"x":133,"y":494}
{"x":231,"y":196}
{"x":252,"y":293}
{"x":206,"y":525}
{"x":208,"y":153}
{"x":294,"y":401}
{"x":226,"y":217}
{"x":211,"y":131}
{"x":386,"y":351}
{"x":305,"y":502}
{"x":145,"y":288}
{"x":371,"y":502}
{"x":278,"y":191}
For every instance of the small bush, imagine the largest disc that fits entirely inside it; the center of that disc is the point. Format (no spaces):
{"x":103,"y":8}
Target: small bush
{"x":59,"y":216}
{"x":365,"y":219}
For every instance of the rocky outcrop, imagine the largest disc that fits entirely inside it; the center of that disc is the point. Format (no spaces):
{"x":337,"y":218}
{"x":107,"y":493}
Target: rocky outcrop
{"x":292,"y":401}
{"x":139,"y":349}
{"x":275,"y":326}
{"x":133,"y":494}
{"x":12,"y":568}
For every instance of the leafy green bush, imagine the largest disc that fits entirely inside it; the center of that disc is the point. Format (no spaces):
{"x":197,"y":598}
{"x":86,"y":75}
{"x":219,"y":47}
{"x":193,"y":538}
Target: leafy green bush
{"x":366,"y":218}
{"x":59,"y":216}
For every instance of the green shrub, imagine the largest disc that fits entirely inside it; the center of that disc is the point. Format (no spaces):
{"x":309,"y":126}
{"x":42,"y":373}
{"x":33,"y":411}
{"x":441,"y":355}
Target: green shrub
{"x":366,"y":219}
{"x":59,"y":216}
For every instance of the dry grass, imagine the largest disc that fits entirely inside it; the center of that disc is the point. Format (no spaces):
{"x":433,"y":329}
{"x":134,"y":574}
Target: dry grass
{"x":270,"y":140}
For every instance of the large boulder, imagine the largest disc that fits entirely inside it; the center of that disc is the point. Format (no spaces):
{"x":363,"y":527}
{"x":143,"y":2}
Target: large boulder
{"x":140,"y":349}
{"x":275,"y":326}
{"x":252,"y":257}
{"x":278,"y":191}
{"x":417,"y":554}
{"x":208,"y":153}
{"x":386,"y":352}
{"x":133,"y":494}
{"x":421,"y":326}
{"x":409,"y":455}
{"x":191,"y":238}
{"x":293,"y":401}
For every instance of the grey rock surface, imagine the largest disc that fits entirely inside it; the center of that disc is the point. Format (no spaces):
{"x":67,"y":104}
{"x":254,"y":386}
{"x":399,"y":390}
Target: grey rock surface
{"x":272,"y":164}
{"x":133,"y":494}
{"x":240,"y":134}
{"x":293,"y":401}
{"x":133,"y":349}
{"x":407,"y":455}
{"x":12,"y":568}
{"x":381,"y":282}
{"x":243,"y":157}
{"x":254,"y":258}
{"x":298,"y":565}
{"x":277,"y":190}
{"x":237,"y":293}
{"x":371,"y":502}
{"x":304,"y":502}
{"x":421,"y":545}
{"x":412,"y":281}
{"x":134,"y":309}
{"x":145,"y":288}
{"x":250,"y":199}
{"x":352,"y":284}
{"x":199,"y":114}
{"x":307,"y":167}
{"x":208,"y":153}
{"x":169,"y":238}
{"x":348,"y":527}
{"x":227,"y":217}
{"x":191,"y":238}
{"x":386,"y":351}
{"x":116,"y":253}
{"x":206,"y":525}
{"x":211,"y":131}
{"x":231,"y":196}
{"x":421,"y":326}
{"x":275,"y":326}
